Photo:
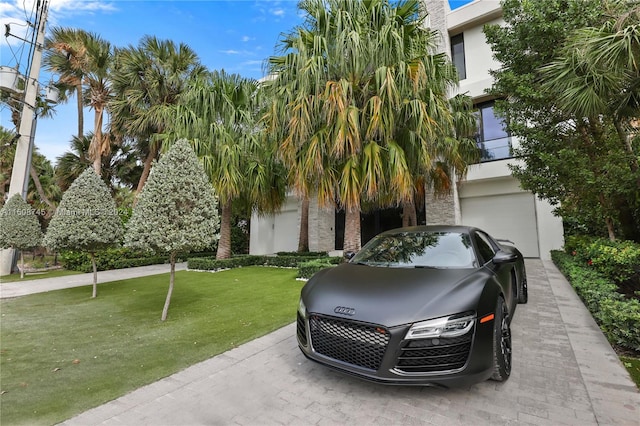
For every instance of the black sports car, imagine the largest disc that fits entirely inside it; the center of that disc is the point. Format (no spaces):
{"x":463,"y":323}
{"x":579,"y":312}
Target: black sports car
{"x":428,"y":305}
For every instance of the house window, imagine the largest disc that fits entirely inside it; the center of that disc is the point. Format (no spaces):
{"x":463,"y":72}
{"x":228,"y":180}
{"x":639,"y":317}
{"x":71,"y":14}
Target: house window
{"x":492,"y":138}
{"x":457,"y":55}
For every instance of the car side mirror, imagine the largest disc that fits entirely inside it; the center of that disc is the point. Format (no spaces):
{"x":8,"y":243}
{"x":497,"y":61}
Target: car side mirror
{"x":349,"y":255}
{"x":504,"y":257}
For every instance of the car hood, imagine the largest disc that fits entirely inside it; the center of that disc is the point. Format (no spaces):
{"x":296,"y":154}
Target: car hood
{"x":393,"y":296}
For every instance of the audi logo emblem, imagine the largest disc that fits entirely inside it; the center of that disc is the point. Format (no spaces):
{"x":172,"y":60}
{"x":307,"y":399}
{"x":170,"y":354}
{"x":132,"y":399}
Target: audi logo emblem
{"x":344,"y":310}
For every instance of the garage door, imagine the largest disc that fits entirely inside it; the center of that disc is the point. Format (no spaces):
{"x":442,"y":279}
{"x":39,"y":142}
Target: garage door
{"x":510,"y":216}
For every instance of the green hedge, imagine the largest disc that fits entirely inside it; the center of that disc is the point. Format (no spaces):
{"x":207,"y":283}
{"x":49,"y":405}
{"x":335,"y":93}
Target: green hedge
{"x":303,"y":254}
{"x":113,"y":258}
{"x":618,"y":317}
{"x":618,"y":260}
{"x":307,"y":269}
{"x":283,"y":261}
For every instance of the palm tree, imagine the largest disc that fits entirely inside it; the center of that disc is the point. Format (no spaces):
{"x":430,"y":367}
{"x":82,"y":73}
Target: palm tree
{"x":119,"y":168}
{"x":360,"y":104}
{"x":97,"y":78}
{"x":219,"y":112}
{"x":595,"y":80}
{"x":65,"y":55}
{"x":83,"y":62}
{"x":598,"y":73}
{"x":148,"y":81}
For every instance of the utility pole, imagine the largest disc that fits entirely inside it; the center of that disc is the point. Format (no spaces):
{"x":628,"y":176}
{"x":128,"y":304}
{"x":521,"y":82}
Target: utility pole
{"x":24,"y":147}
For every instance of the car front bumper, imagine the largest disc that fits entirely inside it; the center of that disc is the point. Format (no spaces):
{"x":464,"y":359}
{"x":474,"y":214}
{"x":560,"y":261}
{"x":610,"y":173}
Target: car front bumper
{"x":382,"y":354}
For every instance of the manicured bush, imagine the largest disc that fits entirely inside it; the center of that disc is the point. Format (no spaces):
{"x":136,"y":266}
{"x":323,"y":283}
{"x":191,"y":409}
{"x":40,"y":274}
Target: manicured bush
{"x":113,"y":258}
{"x":619,"y":317}
{"x":303,"y":253}
{"x":177,"y":210}
{"x":86,"y":220}
{"x":284,"y":261}
{"x":19,"y":227}
{"x":618,"y":260}
{"x":213,"y":264}
{"x":307,"y":269}
{"x":620,"y":322}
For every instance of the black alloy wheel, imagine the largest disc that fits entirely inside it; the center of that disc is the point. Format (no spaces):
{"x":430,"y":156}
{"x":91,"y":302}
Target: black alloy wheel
{"x":501,"y":343}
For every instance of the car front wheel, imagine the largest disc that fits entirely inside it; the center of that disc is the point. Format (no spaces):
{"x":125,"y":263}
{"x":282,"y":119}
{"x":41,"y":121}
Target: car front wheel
{"x":501,"y":343}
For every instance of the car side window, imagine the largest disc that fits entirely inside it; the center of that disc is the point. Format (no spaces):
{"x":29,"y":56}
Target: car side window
{"x":485,"y":248}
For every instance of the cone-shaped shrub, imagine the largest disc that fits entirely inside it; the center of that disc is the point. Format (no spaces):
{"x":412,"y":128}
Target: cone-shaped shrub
{"x":86,"y":219}
{"x":176,"y":211}
{"x":19,"y":227}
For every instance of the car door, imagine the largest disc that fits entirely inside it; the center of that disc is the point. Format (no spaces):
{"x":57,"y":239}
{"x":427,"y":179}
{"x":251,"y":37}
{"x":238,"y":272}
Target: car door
{"x":487,"y":249}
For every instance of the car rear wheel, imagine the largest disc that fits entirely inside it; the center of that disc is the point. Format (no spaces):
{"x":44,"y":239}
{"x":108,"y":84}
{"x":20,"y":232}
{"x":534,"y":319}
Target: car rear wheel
{"x":523,"y":294}
{"x":501,"y":343}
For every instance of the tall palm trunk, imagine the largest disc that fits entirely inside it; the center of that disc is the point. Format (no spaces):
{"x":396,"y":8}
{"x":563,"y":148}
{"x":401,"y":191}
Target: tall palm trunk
{"x":38,"y":185}
{"x":80,"y":104}
{"x":352,"y":238}
{"x":409,"y":216}
{"x":224,"y":245}
{"x":303,"y":237}
{"x":96,"y":149}
{"x":153,"y":153}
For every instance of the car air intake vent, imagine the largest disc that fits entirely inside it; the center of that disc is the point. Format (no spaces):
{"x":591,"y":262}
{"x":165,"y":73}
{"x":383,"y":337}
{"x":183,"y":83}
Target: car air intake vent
{"x":349,"y":341}
{"x":433,"y":355}
{"x":301,"y":329}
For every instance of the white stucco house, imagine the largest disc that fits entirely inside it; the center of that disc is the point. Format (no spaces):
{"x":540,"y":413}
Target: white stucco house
{"x":489,"y":197}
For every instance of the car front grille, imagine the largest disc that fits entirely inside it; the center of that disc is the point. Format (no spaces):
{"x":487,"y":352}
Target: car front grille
{"x":359,"y":344}
{"x":301,"y":329}
{"x":433,"y":355}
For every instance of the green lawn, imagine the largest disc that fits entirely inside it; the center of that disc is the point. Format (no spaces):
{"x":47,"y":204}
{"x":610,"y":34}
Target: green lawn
{"x":62,"y":352}
{"x":633,"y":367}
{"x":36,"y":275}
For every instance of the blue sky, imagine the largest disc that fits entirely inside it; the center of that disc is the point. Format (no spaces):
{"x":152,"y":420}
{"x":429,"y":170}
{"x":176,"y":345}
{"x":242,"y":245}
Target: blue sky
{"x":235,"y":35}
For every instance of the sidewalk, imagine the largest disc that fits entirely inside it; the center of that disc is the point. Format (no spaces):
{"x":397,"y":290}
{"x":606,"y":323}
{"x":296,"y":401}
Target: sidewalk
{"x":564,"y":373}
{"x":22,"y":288}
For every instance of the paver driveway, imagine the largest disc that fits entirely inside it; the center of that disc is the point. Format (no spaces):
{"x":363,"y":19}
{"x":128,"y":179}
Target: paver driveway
{"x":564,"y":372}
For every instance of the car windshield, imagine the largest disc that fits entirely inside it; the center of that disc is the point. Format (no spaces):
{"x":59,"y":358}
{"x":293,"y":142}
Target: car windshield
{"x":418,"y":250}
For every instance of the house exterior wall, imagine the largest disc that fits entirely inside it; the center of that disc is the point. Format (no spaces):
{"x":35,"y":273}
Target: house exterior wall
{"x":276,"y":232}
{"x":489,"y":185}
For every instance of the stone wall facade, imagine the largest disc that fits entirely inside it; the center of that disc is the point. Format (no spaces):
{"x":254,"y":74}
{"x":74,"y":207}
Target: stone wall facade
{"x":440,"y":209}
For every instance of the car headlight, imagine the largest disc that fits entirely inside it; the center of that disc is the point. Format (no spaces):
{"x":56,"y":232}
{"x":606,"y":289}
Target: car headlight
{"x":301,"y":308}
{"x":451,"y":326}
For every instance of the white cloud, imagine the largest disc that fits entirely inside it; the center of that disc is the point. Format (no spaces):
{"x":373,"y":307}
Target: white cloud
{"x":79,"y":6}
{"x":277,"y":12}
{"x":247,"y":38}
{"x":20,"y":16}
{"x":237,"y":52}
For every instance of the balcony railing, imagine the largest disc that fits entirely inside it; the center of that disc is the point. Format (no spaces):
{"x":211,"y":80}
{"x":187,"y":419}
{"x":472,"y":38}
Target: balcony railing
{"x":496,"y":149}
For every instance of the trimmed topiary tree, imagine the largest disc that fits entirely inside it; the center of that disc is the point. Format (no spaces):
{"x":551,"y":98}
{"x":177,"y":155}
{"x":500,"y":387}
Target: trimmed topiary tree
{"x":86,"y":219}
{"x":19,"y":227}
{"x":176,"y":211}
